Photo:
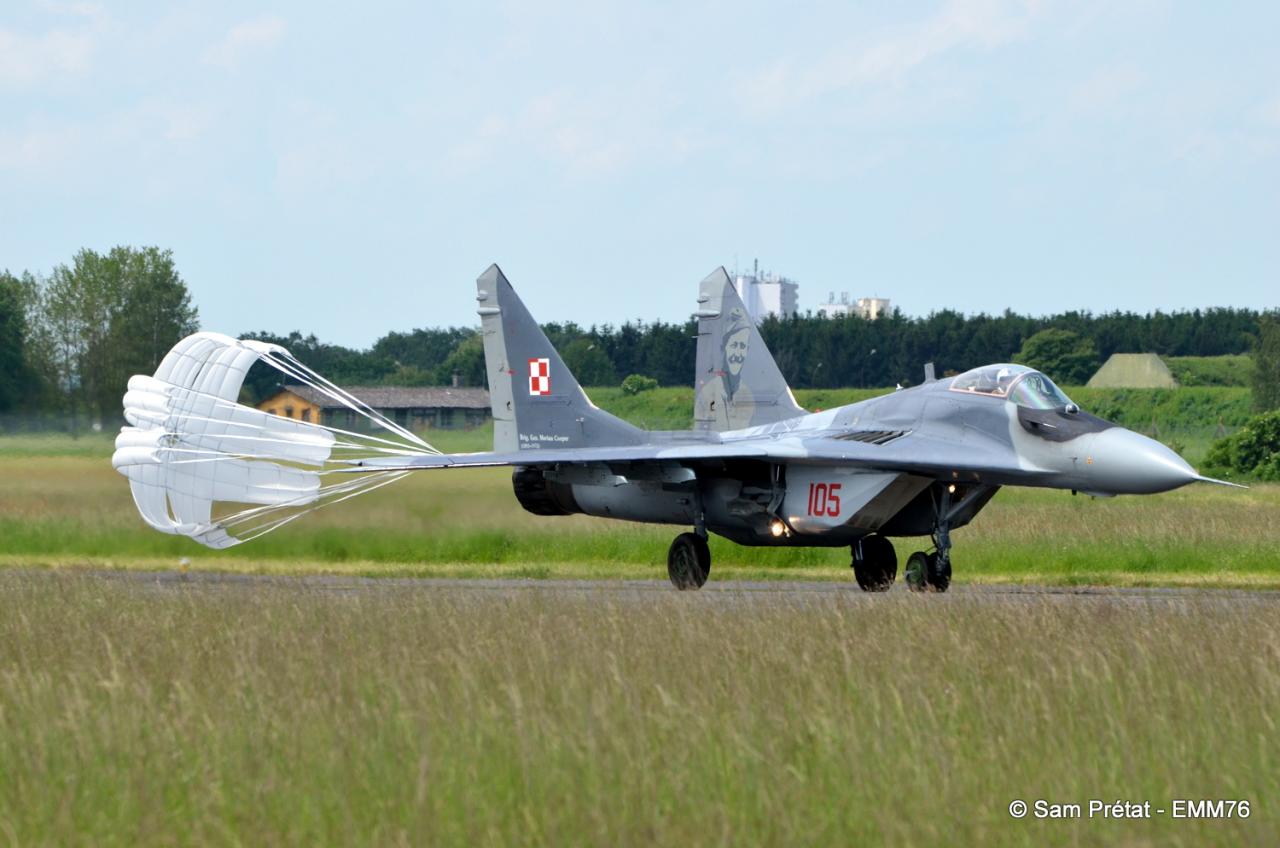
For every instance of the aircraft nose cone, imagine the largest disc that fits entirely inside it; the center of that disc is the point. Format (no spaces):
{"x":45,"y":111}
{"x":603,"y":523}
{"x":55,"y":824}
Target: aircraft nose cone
{"x":1127,"y":463}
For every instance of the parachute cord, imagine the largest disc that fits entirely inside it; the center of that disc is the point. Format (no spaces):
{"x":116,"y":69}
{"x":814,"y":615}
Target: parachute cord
{"x":262,"y":529}
{"x":301,"y":372}
{"x":228,"y":404}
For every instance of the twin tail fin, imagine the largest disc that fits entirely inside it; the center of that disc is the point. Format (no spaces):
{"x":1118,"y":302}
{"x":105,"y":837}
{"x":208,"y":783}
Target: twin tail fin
{"x":536,"y":401}
{"x":737,"y":383}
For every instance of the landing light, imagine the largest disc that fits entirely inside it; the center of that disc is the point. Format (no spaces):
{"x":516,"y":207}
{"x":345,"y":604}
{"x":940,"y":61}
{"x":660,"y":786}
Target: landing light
{"x":952,"y":488}
{"x":777,"y":528}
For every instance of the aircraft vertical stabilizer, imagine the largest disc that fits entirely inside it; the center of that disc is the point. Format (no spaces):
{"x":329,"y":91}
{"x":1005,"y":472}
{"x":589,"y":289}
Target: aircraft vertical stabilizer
{"x":536,"y":402}
{"x":737,"y":383}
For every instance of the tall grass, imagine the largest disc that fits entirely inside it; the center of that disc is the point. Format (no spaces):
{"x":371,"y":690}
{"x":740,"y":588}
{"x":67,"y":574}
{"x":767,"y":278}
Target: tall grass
{"x":274,"y":714}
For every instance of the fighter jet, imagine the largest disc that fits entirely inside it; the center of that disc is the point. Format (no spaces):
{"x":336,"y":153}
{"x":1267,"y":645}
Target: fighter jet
{"x":759,"y":470}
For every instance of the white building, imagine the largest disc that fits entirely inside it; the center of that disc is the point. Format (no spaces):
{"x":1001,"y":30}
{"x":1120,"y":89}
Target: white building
{"x":870,"y":308}
{"x":767,"y":294}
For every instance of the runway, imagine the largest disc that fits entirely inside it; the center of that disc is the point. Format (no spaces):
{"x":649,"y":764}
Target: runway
{"x":714,"y":593}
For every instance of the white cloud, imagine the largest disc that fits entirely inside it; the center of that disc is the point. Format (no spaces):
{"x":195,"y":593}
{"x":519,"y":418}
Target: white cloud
{"x":74,"y":9}
{"x":889,"y":57}
{"x":28,"y":59}
{"x":38,"y":147}
{"x":244,"y":39}
{"x":584,"y":132}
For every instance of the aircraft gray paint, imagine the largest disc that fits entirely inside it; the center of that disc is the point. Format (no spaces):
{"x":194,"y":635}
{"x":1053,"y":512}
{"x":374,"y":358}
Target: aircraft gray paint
{"x":759,"y":470}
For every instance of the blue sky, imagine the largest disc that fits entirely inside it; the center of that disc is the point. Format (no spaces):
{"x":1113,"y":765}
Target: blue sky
{"x":350,"y":170}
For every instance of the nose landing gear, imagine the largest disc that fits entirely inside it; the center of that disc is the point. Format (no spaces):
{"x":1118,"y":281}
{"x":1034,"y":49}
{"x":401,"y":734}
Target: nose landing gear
{"x":928,"y":572}
{"x":931,"y":572}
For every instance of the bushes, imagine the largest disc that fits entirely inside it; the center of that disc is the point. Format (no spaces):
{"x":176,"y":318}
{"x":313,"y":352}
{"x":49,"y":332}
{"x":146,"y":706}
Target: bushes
{"x":1254,"y":451}
{"x":1065,"y":356}
{"x":1228,"y":370}
{"x":637,"y":383}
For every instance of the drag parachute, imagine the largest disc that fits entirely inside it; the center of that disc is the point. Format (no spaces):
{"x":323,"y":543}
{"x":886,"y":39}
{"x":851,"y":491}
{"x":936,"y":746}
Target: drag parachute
{"x":202,"y":465}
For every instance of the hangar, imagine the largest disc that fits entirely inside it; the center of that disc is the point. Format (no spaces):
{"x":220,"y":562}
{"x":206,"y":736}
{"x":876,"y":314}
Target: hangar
{"x":1133,"y":371}
{"x":413,"y":407}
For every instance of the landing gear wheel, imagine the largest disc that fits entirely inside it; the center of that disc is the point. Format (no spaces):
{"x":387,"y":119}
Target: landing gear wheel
{"x":928,"y":572}
{"x":939,"y":573}
{"x":875,"y":563}
{"x":917,"y":571}
{"x":688,"y":561}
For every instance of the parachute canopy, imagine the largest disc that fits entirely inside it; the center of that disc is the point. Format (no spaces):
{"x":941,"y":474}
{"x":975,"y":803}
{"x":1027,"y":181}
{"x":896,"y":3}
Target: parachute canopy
{"x":204,"y":466}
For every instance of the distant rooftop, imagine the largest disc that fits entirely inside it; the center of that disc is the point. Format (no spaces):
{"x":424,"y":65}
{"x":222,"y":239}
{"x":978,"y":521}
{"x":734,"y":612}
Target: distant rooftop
{"x":400,"y":397}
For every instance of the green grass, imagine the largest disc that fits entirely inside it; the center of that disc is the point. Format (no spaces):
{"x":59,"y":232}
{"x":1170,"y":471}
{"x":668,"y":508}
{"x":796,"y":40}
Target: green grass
{"x":63,"y":505}
{"x":71,"y":510}
{"x":286,"y":714}
{"x":45,"y":445}
{"x":1234,"y":370}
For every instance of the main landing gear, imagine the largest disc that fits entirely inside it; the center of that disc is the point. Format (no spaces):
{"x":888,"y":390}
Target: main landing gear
{"x":689,"y":561}
{"x":875,"y":563}
{"x":689,"y":558}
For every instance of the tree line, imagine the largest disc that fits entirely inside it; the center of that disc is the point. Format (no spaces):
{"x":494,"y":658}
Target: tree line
{"x":812,"y":351}
{"x":69,"y":341}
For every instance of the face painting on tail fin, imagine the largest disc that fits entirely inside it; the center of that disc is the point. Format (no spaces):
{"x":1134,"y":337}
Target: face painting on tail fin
{"x":737,"y":383}
{"x":536,"y":402}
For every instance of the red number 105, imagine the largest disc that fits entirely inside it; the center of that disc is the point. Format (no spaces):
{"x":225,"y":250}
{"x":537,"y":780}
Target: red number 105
{"x":824,"y":499}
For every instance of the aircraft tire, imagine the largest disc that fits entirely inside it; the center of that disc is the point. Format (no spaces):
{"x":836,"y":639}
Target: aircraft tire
{"x":878,"y":568}
{"x":939,"y":577}
{"x":688,"y":562}
{"x":917,"y":571}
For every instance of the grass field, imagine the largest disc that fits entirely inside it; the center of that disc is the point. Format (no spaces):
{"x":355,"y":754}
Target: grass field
{"x":288,"y":712}
{"x":137,"y":715}
{"x":70,"y":508}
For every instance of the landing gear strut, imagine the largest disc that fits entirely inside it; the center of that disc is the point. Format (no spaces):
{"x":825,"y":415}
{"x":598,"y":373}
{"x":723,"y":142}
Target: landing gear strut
{"x":689,"y":558}
{"x":875,"y":563}
{"x":932,"y":571}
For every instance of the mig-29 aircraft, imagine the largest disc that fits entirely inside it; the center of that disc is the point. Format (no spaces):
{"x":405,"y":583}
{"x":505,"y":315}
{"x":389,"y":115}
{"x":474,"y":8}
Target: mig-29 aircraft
{"x":759,"y":470}
{"x":756,"y":468}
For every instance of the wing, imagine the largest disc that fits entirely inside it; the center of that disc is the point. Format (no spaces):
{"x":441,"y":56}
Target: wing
{"x":557,"y":456}
{"x":909,"y":453}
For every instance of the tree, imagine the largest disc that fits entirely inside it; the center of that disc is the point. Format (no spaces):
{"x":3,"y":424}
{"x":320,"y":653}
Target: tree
{"x":19,"y":382}
{"x":1065,"y":356}
{"x":467,"y":361}
{"x":423,"y":349}
{"x":106,"y":317}
{"x":156,"y":311}
{"x":1266,"y":363}
{"x":1252,"y":451}
{"x":589,"y":363}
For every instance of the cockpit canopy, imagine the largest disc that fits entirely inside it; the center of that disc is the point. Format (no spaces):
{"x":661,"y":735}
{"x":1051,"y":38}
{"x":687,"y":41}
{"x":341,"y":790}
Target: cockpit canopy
{"x":1024,"y":386}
